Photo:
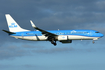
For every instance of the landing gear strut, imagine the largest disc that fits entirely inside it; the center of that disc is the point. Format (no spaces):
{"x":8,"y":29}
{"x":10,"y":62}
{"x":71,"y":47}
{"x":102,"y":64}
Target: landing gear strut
{"x":53,"y":41}
{"x":93,"y":42}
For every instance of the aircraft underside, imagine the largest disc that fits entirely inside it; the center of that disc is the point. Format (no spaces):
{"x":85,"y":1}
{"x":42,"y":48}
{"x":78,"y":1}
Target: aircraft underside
{"x":62,"y":38}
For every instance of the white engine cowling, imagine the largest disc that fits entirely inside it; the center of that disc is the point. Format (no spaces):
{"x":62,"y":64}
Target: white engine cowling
{"x":62,"y":38}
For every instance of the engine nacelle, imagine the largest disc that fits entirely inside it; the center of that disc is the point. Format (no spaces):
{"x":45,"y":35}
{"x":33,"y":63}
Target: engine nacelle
{"x":62,"y":38}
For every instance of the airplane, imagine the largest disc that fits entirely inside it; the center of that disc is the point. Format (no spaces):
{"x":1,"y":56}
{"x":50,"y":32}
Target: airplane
{"x":63,"y":36}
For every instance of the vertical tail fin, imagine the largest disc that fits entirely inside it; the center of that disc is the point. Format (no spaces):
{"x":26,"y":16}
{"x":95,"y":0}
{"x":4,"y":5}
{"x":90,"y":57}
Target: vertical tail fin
{"x":12,"y":24}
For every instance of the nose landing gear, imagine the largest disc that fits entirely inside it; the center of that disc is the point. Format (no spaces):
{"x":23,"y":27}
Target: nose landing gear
{"x":93,"y":42}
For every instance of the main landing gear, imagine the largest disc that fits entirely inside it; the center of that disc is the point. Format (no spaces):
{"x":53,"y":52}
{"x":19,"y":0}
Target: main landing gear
{"x":53,"y":41}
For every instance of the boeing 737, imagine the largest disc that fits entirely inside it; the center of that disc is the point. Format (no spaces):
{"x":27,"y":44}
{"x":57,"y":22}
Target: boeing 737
{"x":63,"y":36}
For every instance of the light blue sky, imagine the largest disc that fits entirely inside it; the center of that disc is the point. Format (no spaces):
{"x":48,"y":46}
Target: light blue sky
{"x":18,"y":54}
{"x":74,"y":56}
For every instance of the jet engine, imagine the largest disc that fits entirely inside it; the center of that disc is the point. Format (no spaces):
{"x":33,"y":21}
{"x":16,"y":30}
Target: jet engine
{"x":64,"y":39}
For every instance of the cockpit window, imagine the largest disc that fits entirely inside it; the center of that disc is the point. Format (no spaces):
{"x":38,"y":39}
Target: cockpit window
{"x":96,"y":32}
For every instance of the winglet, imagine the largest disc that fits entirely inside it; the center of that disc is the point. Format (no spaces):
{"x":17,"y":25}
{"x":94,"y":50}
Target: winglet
{"x":33,"y":25}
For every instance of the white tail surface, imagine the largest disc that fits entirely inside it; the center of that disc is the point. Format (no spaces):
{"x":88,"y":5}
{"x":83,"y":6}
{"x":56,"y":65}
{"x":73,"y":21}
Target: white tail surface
{"x":12,"y":24}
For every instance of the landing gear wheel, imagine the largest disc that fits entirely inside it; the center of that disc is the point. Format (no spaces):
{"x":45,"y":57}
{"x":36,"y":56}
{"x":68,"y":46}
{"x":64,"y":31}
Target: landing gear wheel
{"x":53,"y":42}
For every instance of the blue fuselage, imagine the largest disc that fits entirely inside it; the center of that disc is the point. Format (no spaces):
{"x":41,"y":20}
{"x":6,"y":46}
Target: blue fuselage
{"x":72,"y":34}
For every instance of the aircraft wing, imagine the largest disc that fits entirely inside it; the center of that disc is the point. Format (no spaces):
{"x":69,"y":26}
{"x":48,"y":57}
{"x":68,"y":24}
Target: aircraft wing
{"x":46,"y":33}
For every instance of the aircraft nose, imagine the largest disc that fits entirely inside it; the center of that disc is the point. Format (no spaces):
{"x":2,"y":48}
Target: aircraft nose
{"x":101,"y":35}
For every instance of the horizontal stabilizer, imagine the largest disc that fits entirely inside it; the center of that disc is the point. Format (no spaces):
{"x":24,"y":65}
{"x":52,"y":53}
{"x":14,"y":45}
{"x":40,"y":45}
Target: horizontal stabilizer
{"x":8,"y":32}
